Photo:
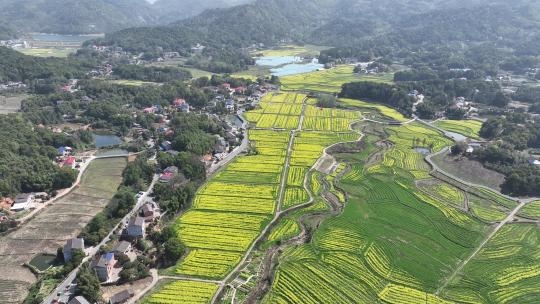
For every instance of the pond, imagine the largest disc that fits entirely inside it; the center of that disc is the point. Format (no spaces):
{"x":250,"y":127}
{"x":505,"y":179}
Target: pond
{"x":43,"y":261}
{"x":288,"y":65}
{"x":456,"y":136}
{"x":274,"y":61}
{"x":423,"y":151}
{"x":104,"y":141}
{"x":295,"y":68}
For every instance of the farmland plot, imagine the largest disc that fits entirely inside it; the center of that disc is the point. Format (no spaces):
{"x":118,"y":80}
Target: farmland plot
{"x":62,"y":220}
{"x":184,"y":292}
{"x":468,"y":128}
{"x":507,"y":269}
{"x":392,"y":243}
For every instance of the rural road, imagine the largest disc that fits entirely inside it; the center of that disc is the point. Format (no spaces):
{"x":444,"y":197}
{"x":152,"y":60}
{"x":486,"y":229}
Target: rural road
{"x":64,"y":192}
{"x":461,"y":265}
{"x":94,"y":250}
{"x":231,"y":156}
{"x":278,"y":210}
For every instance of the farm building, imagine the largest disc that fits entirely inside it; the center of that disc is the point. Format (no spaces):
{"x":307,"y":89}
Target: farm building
{"x":136,"y":227}
{"x":63,"y":151}
{"x":122,"y":247}
{"x":121,"y":297}
{"x":171,"y":169}
{"x":166,"y":177}
{"x":78,"y":300}
{"x":104,"y":266}
{"x":69,"y":162}
{"x":71,"y":245}
{"x":22,"y":202}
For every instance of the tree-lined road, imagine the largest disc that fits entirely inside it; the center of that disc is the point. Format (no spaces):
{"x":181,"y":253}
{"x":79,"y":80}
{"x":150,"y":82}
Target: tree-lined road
{"x":91,"y":252}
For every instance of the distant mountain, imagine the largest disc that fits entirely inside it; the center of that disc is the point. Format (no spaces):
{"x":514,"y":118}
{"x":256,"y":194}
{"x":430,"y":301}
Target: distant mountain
{"x":76,"y":16}
{"x":6,"y":31}
{"x":174,"y":10}
{"x":336,"y":22}
{"x":97,"y":16}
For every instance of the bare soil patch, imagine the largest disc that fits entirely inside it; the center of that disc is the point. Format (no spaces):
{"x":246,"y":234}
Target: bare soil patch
{"x":469,"y":170}
{"x":11,"y":104}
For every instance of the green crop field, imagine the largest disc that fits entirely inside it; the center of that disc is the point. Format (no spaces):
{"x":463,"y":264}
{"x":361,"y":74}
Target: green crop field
{"x":469,"y":128}
{"x":392,"y":243}
{"x":329,"y":80}
{"x":184,"y":292}
{"x":531,"y":210}
{"x":383,"y":110}
{"x":231,"y":209}
{"x":507,"y":269}
{"x":49,"y":52}
{"x":135,"y":83}
{"x":400,"y":236}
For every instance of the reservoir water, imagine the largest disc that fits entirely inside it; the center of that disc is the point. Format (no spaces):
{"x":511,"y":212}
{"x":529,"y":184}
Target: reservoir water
{"x":288,"y":65}
{"x":104,"y":141}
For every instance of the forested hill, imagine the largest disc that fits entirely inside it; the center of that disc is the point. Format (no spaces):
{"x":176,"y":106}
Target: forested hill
{"x":174,"y":10}
{"x":370,"y":23}
{"x":70,"y":16}
{"x":97,"y":16}
{"x":6,"y":31}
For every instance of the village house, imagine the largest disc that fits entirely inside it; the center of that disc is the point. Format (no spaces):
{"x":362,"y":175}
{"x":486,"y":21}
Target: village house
{"x":534,"y":162}
{"x":221,"y":145}
{"x":69,"y":162}
{"x":197,"y":49}
{"x":136,"y":227}
{"x":165,"y":146}
{"x":229,"y":105}
{"x":121,"y":297}
{"x":166,"y":177}
{"x":171,"y":169}
{"x":122,"y":247}
{"x":64,"y":151}
{"x":104,"y":267}
{"x":79,"y":300}
{"x":178,"y":102}
{"x":170,"y":55}
{"x":70,"y":246}
{"x":22,"y":202}
{"x":150,"y":211}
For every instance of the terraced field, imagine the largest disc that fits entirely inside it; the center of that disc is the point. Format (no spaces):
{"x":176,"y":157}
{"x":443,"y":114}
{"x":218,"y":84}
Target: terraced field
{"x":400,"y":236}
{"x":386,"y":112}
{"x":232,"y":209}
{"x":180,"y":292}
{"x":395,"y":252}
{"x":329,"y":80}
{"x":507,"y":269}
{"x":531,"y":211}
{"x":469,"y":128}
{"x":396,"y":244}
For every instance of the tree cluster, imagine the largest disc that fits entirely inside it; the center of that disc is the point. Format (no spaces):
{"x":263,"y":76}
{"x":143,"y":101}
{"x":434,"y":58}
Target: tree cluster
{"x":26,"y":158}
{"x":150,"y":73}
{"x":393,"y":96}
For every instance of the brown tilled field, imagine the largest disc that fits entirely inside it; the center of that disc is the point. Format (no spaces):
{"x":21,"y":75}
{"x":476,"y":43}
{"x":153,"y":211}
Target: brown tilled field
{"x":58,"y":222}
